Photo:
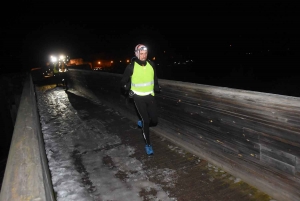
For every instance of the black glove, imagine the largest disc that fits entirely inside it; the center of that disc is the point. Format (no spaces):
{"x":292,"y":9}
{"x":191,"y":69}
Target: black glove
{"x":130,"y":94}
{"x":158,"y":89}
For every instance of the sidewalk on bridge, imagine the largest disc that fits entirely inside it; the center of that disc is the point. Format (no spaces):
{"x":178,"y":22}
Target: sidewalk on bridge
{"x":95,"y":153}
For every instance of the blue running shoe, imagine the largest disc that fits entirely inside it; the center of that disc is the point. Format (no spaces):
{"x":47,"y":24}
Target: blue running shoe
{"x":149,"y":149}
{"x":140,"y":124}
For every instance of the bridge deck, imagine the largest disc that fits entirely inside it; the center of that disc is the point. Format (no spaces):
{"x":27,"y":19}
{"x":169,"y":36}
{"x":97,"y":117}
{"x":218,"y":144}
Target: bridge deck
{"x":95,"y":153}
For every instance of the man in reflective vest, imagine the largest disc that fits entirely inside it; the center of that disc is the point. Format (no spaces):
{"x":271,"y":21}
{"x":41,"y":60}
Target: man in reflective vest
{"x":56,"y":73}
{"x":141,"y":83}
{"x":64,"y":74}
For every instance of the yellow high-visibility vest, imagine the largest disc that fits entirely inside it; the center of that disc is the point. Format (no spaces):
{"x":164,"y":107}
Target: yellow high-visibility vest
{"x":142,"y":80}
{"x":55,"y":68}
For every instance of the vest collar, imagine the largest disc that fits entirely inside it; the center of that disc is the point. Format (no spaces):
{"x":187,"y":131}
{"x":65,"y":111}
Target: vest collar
{"x":142,"y":63}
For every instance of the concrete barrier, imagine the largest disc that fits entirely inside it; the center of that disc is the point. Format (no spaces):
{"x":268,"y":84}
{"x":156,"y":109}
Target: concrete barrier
{"x":27,"y":175}
{"x":252,"y":135}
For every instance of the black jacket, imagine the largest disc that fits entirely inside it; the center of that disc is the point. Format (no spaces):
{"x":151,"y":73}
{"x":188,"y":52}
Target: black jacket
{"x":126,"y":79}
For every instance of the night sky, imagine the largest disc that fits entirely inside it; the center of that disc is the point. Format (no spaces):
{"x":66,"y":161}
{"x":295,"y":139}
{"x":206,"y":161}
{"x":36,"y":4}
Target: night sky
{"x":220,"y":36}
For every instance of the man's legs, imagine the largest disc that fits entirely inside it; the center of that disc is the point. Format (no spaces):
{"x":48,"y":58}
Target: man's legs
{"x":146,"y":106}
{"x":56,"y":78}
{"x":152,"y":110}
{"x":141,"y":106}
{"x":66,"y":80}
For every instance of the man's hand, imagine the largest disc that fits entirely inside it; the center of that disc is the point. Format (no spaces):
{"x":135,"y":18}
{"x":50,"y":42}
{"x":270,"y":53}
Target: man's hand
{"x":158,"y":90}
{"x":130,"y":94}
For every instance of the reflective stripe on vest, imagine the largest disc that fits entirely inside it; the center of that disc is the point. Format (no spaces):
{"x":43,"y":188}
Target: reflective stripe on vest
{"x":142,"y":84}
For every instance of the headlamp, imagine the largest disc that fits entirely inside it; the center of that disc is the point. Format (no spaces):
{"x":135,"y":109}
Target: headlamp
{"x":142,"y":48}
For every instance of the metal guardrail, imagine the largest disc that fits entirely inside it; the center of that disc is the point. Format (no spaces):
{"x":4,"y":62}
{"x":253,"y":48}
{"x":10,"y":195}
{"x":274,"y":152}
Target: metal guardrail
{"x":27,"y":176}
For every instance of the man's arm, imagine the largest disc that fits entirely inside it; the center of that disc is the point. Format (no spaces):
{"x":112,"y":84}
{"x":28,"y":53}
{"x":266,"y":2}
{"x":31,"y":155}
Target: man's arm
{"x":126,"y":78}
